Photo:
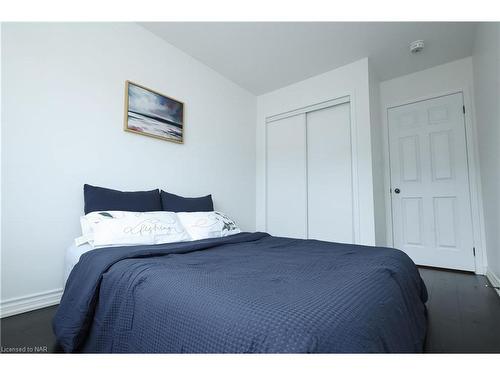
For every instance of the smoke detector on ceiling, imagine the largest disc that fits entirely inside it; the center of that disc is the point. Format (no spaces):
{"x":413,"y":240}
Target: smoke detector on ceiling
{"x":416,"y":46}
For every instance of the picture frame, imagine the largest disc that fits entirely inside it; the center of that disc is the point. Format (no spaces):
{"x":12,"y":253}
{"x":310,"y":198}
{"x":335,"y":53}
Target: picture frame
{"x":150,"y":113}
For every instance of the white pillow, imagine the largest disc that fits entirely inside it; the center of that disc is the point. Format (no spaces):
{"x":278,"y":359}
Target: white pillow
{"x":210,"y":224}
{"x":118,"y":228}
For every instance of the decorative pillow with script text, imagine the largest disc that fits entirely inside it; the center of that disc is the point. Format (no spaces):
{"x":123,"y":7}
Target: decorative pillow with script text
{"x":120,"y":228}
{"x":213,"y":224}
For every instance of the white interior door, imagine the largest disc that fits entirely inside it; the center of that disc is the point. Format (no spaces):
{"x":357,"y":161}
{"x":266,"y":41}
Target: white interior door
{"x":329,"y":174}
{"x":286,"y":177}
{"x":431,"y":207}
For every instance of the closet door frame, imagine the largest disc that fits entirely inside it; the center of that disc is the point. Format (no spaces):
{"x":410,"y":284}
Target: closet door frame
{"x":354,"y":154}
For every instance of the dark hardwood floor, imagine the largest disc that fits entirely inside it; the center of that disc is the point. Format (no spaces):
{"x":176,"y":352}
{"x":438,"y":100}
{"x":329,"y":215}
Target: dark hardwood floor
{"x":29,"y":332}
{"x":464,"y":317}
{"x":463,"y":313}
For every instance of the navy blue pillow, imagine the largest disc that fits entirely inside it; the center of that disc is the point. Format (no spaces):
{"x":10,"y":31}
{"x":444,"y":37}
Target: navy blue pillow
{"x":175,"y":203}
{"x":102,"y":199}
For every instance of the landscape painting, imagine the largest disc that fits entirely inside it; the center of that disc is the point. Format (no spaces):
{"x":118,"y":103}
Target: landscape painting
{"x":150,"y":113}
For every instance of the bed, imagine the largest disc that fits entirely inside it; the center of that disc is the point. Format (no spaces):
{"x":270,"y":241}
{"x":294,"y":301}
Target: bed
{"x":245,"y":293}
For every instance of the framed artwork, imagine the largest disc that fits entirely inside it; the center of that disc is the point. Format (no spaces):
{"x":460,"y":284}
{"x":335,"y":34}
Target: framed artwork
{"x":150,"y":113}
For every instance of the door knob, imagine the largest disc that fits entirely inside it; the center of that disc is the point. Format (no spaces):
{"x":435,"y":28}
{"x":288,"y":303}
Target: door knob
{"x":397,"y":191}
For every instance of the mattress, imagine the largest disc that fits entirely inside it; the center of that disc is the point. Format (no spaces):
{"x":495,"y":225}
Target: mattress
{"x":73,"y":254}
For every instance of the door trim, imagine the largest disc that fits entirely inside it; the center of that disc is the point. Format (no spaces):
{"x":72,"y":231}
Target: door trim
{"x":472,"y":166}
{"x":309,"y":108}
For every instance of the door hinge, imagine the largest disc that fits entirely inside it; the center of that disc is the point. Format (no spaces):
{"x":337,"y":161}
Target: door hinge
{"x":474,"y":251}
{"x":463,"y":108}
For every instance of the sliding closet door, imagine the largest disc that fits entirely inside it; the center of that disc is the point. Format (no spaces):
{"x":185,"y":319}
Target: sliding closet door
{"x":286,"y":177}
{"x":329,"y":174}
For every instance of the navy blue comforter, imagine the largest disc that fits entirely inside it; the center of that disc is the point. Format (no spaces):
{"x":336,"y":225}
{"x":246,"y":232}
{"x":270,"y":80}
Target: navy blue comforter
{"x":247,"y":293}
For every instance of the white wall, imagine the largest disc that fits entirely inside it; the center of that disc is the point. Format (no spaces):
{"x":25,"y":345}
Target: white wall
{"x":62,"y":119}
{"x":350,"y":80}
{"x":486,"y":61}
{"x":379,"y":190}
{"x":442,"y":79}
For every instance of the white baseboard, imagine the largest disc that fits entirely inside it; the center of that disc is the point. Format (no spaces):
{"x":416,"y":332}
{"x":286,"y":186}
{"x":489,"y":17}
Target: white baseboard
{"x":30,"y":302}
{"x":494,"y":280}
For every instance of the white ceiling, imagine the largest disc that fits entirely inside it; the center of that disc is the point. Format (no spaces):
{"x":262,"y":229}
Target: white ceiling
{"x":264,"y":56}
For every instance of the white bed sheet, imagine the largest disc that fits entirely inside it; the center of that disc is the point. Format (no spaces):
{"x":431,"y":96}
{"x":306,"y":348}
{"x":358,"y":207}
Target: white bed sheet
{"x":73,"y":254}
